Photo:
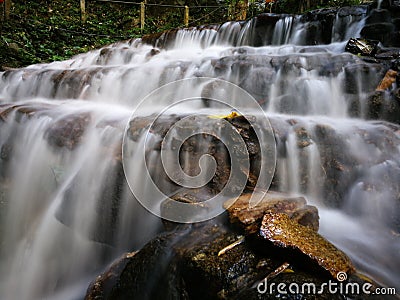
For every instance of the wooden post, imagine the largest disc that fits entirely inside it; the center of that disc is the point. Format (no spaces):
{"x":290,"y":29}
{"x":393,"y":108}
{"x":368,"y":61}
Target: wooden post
{"x":142,"y":15}
{"x":83,"y":11}
{"x":186,"y":18}
{"x":7,"y":8}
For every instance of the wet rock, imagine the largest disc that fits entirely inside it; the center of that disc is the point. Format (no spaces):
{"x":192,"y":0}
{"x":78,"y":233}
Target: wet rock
{"x":397,"y":95}
{"x":361,"y":46}
{"x":68,"y":131}
{"x":248,"y":212}
{"x":258,"y":81}
{"x":166,"y":39}
{"x":353,"y":10}
{"x":388,"y":54}
{"x":362,"y":77}
{"x":149,"y":274}
{"x":396,"y":23}
{"x":385,"y":4}
{"x":383,"y":105}
{"x":152,"y":52}
{"x":303,"y":138}
{"x":195,"y":197}
{"x":279,"y":229}
{"x":5,"y":151}
{"x":107,"y":209}
{"x":321,"y":23}
{"x":101,"y":287}
{"x":198,"y":145}
{"x":159,"y":39}
{"x":264,"y":28}
{"x":387,"y":81}
{"x":379,"y":16}
{"x":395,"y":38}
{"x":380,"y":31}
{"x":187,"y":264}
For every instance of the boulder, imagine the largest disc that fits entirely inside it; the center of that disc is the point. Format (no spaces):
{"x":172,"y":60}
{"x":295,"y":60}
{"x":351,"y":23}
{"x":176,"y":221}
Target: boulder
{"x":213,"y":260}
{"x":361,"y":46}
{"x":379,"y":16}
{"x":379,"y":31}
{"x":362,"y":77}
{"x":383,"y":105}
{"x":243,"y":212}
{"x":188,"y":263}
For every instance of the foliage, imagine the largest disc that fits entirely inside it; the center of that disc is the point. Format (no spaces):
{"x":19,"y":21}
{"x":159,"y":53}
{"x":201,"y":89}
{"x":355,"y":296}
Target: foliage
{"x":296,"y":7}
{"x":43,"y":31}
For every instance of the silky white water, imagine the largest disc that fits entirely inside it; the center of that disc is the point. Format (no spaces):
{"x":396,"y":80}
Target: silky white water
{"x":68,"y":211}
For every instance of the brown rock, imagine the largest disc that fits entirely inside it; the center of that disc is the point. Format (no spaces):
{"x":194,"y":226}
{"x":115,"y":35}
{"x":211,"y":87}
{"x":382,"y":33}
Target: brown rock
{"x":284,"y":232}
{"x":249,"y":215}
{"x":387,"y":81}
{"x":101,"y":287}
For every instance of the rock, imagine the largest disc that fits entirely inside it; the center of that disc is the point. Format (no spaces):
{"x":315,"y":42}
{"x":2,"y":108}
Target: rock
{"x":361,"y":46}
{"x":201,"y":144}
{"x":264,"y":28}
{"x":379,"y":31}
{"x":383,"y":105}
{"x":385,"y":4}
{"x":101,"y":287}
{"x":288,"y":223}
{"x":397,"y":94}
{"x":388,"y":54}
{"x":303,"y":138}
{"x":68,"y":131}
{"x":353,"y":10}
{"x":322,"y":21}
{"x":249,"y":216}
{"x":196,"y":197}
{"x":395,"y":38}
{"x":185,"y":264}
{"x":387,"y":81}
{"x":106,"y":212}
{"x":258,"y":81}
{"x":396,"y":23}
{"x":279,"y":229}
{"x":149,"y":274}
{"x":379,"y":16}
{"x":362,"y":77}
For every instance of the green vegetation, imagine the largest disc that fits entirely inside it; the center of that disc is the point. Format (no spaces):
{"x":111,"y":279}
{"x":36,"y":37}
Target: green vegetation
{"x":42,"y":31}
{"x":296,"y":6}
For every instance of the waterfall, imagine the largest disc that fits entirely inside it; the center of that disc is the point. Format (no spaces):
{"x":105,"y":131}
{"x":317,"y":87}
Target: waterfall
{"x":68,"y":211}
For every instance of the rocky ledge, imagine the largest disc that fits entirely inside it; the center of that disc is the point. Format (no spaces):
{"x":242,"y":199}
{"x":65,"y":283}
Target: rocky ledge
{"x":263,"y":245}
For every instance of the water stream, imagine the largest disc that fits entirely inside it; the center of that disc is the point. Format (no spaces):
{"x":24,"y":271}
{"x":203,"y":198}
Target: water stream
{"x":67,"y":209}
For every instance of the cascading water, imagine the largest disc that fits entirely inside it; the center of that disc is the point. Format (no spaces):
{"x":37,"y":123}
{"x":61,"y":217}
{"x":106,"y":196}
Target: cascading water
{"x":68,"y":209}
